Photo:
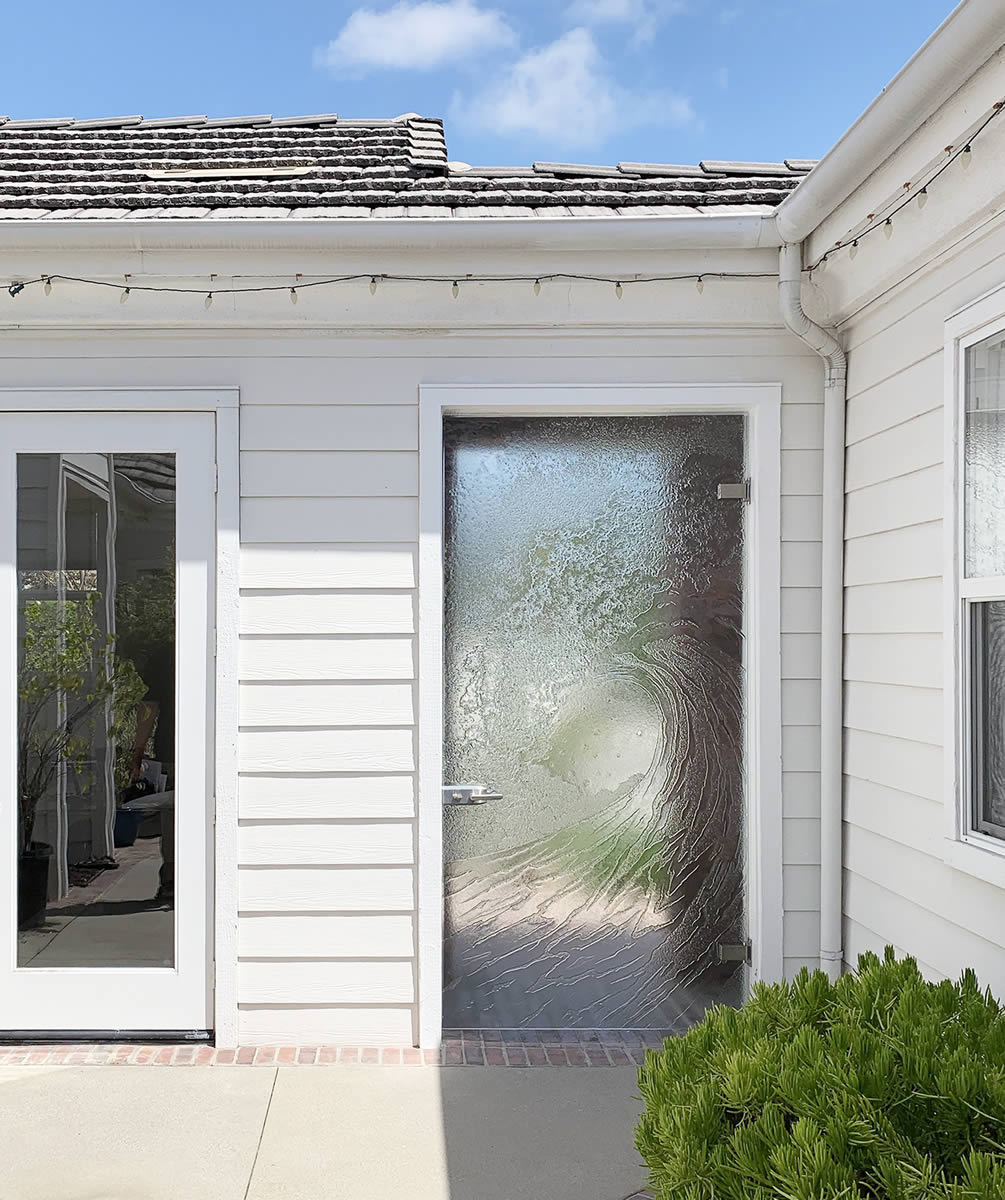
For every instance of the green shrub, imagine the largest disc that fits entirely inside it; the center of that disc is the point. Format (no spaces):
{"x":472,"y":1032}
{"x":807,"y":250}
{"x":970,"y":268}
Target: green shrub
{"x":877,"y":1087}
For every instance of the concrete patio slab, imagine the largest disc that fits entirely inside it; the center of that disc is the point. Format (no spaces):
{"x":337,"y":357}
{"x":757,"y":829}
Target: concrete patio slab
{"x":113,"y":1133}
{"x":369,"y":1133}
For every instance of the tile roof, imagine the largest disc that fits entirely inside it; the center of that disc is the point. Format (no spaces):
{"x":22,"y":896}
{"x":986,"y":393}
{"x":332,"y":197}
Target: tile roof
{"x":324,"y":166}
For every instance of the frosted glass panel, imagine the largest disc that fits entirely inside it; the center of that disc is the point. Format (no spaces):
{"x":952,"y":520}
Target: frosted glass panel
{"x":984,"y":504}
{"x":593,"y":677}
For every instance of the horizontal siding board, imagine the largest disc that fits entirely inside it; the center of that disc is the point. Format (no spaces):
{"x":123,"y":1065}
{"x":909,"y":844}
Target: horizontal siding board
{"x":876,"y":402}
{"x":326,"y":566}
{"x":898,"y":451}
{"x":802,"y":472}
{"x":305,"y":750}
{"x":327,"y":612}
{"x":913,"y":820}
{"x":946,"y":943}
{"x":387,"y":843}
{"x":802,"y":426}
{"x":800,"y":841}
{"x":330,"y":427}
{"x":801,"y":516}
{"x":800,"y":702}
{"x":895,"y":504}
{"x":305,"y":1026}
{"x":329,"y":518}
{"x":859,"y":939}
{"x":326,"y":889}
{"x":325,"y":983}
{"x":801,"y":747}
{"x":800,"y":655}
{"x":326,"y":658}
{"x":801,"y":564}
{"x":915,"y":552}
{"x":329,"y":704}
{"x":914,"y":606}
{"x":801,"y":793}
{"x":801,"y":935}
{"x":329,"y":473}
{"x":908,"y":766}
{"x":913,"y":659}
{"x":801,"y":610}
{"x":801,"y":888}
{"x":325,"y":797}
{"x":324,"y":935}
{"x":900,"y":712}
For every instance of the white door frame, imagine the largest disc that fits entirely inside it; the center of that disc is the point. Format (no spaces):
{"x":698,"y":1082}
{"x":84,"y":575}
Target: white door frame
{"x":761,"y":404}
{"x":223,"y":404}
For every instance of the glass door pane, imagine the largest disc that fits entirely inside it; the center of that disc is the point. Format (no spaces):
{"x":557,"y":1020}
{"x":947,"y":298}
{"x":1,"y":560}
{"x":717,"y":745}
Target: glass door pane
{"x":593,"y":684}
{"x":96,"y":709}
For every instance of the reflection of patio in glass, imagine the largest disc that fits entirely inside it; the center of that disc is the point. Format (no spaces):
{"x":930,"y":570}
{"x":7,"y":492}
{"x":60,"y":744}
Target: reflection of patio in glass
{"x":96,"y":638}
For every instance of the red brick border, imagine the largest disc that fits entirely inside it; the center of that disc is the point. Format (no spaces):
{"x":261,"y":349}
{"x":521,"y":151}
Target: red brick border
{"x":489,"y":1048}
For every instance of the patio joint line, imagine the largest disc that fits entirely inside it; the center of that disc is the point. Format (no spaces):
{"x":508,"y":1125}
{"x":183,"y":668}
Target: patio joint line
{"x":261,"y":1133}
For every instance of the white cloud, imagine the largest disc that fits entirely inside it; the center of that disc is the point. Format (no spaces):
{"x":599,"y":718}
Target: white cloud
{"x":417,"y":36}
{"x":563,"y":92}
{"x":643,"y":16}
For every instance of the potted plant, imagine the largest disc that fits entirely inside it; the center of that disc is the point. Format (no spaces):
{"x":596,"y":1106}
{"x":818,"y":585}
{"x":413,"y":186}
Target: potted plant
{"x":68,"y":673}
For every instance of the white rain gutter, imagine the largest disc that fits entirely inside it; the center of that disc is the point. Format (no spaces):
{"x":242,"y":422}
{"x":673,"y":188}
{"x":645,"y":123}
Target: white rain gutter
{"x":693,"y":231}
{"x":826,"y":344}
{"x":970,"y":35}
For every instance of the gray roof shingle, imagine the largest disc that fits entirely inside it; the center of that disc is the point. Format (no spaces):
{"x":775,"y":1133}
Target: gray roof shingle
{"x":325,"y":166}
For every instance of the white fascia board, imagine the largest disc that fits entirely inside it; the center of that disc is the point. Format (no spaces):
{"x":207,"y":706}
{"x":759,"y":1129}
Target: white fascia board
{"x":962,"y":44}
{"x":695,"y":232}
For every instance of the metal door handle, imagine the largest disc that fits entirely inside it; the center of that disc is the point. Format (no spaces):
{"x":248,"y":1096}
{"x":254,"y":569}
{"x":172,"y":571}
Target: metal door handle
{"x":467,"y":793}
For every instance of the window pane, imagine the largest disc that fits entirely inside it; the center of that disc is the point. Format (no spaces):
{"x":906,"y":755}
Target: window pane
{"x":96,"y":709}
{"x":988,"y":675}
{"x":984,"y":453}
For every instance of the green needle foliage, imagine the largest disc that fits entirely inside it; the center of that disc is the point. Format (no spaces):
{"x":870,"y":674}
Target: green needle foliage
{"x":880,"y":1086}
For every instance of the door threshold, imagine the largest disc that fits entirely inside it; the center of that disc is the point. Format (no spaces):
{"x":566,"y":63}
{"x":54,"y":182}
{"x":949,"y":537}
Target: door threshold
{"x":77,"y":1037}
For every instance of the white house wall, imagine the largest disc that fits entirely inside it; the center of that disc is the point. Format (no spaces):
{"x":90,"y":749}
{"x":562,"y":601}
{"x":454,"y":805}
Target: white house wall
{"x":891,"y":304}
{"x":328,"y":576}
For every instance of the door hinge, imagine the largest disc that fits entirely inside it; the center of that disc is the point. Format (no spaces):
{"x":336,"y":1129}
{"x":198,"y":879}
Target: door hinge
{"x":734,"y":491}
{"x":730,"y":952}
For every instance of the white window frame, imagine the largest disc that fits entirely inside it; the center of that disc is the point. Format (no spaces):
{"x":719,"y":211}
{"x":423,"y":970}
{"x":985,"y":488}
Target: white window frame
{"x":761,"y":405}
{"x":965,"y":848}
{"x":224,"y":403}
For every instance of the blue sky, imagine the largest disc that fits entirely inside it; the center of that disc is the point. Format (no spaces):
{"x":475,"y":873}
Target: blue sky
{"x":516,"y":80}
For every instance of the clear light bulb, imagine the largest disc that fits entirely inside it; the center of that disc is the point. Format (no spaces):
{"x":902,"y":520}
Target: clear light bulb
{"x":373,"y":285}
{"x":124,"y":296}
{"x":699,"y":285}
{"x":48,"y":286}
{"x":853,"y":252}
{"x":537,"y":287}
{"x":207,"y":303}
{"x":455,"y":290}
{"x":888,"y":228}
{"x":619,"y":291}
{"x":968,"y":157}
{"x":293,"y":295}
{"x":923,"y":197}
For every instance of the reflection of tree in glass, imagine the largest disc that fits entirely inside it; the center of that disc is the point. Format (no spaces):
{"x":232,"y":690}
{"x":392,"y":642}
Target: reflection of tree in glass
{"x":68,"y":673}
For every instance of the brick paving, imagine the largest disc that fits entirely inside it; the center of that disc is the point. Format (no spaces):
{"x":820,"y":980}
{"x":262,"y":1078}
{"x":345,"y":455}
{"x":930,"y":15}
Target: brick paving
{"x":469,"y":1047}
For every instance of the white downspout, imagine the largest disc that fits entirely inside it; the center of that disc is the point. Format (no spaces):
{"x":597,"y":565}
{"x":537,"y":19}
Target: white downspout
{"x":831,"y":351}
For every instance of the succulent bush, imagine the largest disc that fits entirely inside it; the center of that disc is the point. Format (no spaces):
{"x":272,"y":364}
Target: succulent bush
{"x":879,"y":1086}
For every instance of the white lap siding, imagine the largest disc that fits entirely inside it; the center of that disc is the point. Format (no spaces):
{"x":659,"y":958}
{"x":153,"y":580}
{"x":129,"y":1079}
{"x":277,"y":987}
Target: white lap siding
{"x":897,"y":887}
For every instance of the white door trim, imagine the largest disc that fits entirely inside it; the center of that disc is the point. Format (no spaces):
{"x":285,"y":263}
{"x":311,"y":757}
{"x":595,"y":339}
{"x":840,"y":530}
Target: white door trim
{"x":761,"y":404}
{"x":223,"y":402}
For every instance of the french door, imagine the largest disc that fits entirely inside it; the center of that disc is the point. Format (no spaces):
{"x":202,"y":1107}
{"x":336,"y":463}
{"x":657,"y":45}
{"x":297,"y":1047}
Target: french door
{"x":107,"y":572}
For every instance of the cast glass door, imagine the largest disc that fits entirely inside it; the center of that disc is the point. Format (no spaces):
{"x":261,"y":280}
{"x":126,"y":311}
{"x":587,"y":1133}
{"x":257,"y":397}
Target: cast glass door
{"x":593,"y":758}
{"x":107,"y":551}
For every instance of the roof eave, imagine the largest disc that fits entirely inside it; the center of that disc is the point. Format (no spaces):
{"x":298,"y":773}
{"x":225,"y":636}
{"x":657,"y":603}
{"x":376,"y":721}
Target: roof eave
{"x":688,"y":231}
{"x":963,"y":43}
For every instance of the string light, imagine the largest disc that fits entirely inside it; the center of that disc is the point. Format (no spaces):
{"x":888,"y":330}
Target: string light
{"x":455,"y":290}
{"x":537,"y":287}
{"x":293,"y":295}
{"x":125,"y":296}
{"x":853,"y":252}
{"x":14,"y":288}
{"x":873,"y":222}
{"x":699,"y":284}
{"x":373,"y":285}
{"x":619,"y":291}
{"x":48,"y":286}
{"x":207,"y":303}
